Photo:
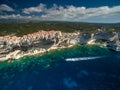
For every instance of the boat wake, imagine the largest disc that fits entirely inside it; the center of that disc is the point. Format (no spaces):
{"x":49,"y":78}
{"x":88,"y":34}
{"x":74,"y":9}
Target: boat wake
{"x":84,"y":58}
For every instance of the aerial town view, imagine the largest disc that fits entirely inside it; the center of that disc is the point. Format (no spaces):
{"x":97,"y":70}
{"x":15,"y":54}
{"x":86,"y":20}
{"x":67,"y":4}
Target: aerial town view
{"x":59,"y":45}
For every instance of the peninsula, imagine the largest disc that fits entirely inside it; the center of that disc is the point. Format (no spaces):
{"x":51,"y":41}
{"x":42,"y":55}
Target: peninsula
{"x":41,"y":41}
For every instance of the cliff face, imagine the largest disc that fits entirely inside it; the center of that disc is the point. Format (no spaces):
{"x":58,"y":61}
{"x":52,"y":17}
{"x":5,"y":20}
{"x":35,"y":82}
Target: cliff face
{"x":39,"y":39}
{"x":45,"y":40}
{"x":108,"y":39}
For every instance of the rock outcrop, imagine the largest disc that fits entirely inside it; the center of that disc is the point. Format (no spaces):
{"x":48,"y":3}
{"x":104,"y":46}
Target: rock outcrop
{"x":13,"y":47}
{"x":109,"y":39}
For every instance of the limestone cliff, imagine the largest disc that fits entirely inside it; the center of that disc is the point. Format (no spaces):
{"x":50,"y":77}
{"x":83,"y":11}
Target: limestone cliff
{"x":13,"y":47}
{"x":108,"y":39}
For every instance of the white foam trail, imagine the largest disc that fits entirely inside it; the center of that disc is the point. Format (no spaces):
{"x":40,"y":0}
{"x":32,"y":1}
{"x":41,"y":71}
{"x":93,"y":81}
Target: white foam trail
{"x":83,"y":58}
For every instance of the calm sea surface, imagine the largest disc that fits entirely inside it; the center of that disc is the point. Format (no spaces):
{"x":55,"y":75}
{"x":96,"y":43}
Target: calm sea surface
{"x":78,"y":68}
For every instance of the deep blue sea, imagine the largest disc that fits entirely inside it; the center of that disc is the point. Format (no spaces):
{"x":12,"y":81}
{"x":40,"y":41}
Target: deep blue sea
{"x":77,"y":68}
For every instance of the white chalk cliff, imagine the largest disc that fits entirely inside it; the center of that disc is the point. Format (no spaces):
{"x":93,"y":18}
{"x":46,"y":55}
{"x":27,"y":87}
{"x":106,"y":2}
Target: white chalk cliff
{"x":13,"y":47}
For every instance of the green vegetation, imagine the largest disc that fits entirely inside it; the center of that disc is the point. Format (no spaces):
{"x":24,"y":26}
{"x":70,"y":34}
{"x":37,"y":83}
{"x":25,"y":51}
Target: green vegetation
{"x":21,"y":28}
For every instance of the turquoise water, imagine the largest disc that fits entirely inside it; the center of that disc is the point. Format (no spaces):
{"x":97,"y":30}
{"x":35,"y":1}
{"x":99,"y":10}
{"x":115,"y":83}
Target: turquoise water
{"x":52,"y":72}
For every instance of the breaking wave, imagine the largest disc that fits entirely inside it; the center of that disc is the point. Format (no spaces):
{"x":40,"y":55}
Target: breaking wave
{"x":84,"y":58}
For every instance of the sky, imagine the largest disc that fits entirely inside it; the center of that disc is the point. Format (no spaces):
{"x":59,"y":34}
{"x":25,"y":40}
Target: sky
{"x":103,"y":11}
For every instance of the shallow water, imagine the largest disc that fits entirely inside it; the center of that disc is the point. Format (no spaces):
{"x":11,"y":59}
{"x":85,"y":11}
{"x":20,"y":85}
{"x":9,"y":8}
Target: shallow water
{"x":53,"y":72}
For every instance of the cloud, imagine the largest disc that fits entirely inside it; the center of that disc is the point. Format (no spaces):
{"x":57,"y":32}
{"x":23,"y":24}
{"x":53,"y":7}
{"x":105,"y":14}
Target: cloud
{"x":14,"y":16}
{"x":39,"y":8}
{"x":4,"y":7}
{"x":79,"y":13}
{"x":66,"y":13}
{"x":71,"y":13}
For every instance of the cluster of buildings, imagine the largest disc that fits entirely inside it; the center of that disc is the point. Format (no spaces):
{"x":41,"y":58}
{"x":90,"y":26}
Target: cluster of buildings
{"x":29,"y":37}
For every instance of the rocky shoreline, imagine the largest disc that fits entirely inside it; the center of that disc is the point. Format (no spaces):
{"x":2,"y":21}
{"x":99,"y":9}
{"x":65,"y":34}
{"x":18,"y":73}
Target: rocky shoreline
{"x":13,"y":47}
